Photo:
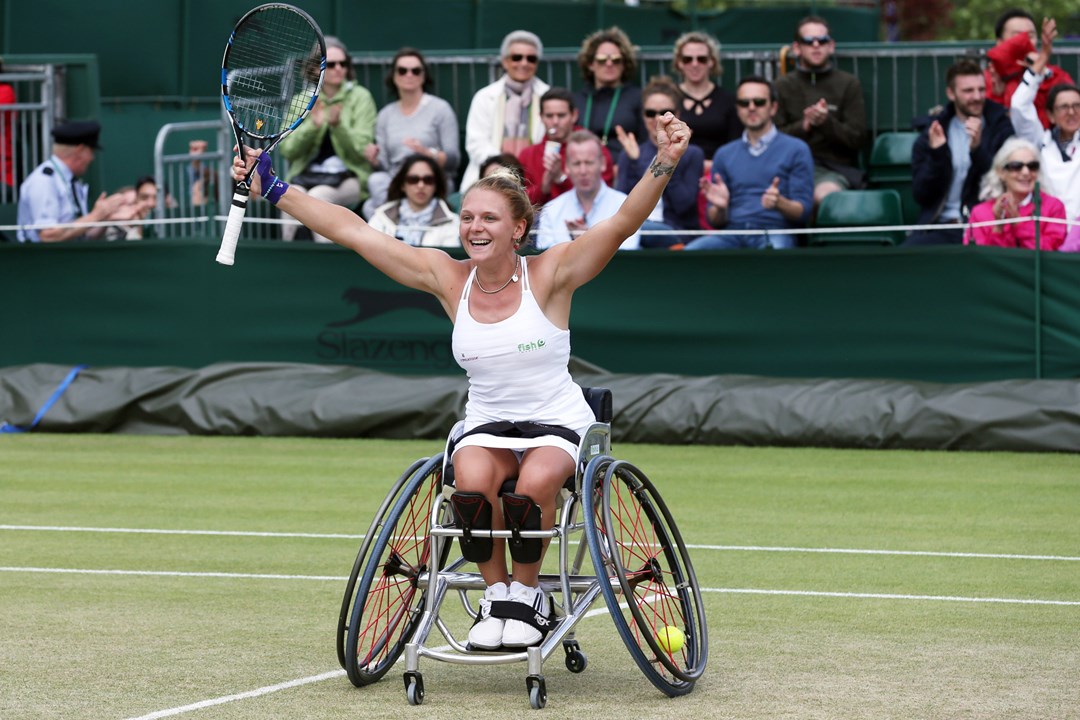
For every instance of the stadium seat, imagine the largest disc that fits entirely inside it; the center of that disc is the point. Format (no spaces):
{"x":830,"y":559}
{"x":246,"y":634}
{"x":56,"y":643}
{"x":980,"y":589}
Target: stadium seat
{"x":859,"y":208}
{"x":890,"y":168}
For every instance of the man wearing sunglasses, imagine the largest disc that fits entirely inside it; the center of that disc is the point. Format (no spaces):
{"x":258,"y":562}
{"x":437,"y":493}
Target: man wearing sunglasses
{"x":955,"y":148}
{"x":762,"y":181}
{"x":824,"y":107}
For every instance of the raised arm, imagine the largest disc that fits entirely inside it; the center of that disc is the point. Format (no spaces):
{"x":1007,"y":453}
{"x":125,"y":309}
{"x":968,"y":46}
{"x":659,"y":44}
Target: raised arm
{"x":427,"y":269}
{"x":579,"y":261}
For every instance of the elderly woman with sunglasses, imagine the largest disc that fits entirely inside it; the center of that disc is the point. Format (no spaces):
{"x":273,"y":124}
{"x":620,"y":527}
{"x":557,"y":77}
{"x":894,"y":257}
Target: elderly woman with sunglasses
{"x":1010,"y":189}
{"x":504,"y":117}
{"x":708,"y":109}
{"x":416,"y":123}
{"x":609,"y":98}
{"x":417,"y":212}
{"x":326,"y":153}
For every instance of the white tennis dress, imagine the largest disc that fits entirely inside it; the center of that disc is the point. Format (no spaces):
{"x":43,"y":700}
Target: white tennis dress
{"x":518,"y":372}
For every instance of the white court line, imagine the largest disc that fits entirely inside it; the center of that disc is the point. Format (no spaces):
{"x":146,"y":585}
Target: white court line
{"x":723,"y":548}
{"x":241,"y":696}
{"x":734,"y":591}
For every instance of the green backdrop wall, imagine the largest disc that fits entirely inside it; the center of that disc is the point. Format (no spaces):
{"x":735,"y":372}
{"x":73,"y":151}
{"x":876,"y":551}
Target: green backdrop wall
{"x":935,"y":314}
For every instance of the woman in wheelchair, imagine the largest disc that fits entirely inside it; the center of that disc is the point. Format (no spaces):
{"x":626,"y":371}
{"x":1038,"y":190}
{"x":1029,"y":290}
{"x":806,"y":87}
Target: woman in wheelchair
{"x":524,"y":414}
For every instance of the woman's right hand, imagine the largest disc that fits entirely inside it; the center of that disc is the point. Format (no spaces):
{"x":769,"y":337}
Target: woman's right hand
{"x":242,"y":166}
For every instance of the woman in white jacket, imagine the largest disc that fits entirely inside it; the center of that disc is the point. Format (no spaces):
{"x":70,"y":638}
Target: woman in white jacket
{"x":505,"y":115}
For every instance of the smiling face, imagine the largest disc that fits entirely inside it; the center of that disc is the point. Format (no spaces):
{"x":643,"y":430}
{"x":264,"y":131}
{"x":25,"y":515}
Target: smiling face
{"x":968,"y":94}
{"x":487,"y":227}
{"x":520,"y":61}
{"x":607,"y":65}
{"x":695,"y":62}
{"x":1066,"y":113}
{"x":1018,"y":177}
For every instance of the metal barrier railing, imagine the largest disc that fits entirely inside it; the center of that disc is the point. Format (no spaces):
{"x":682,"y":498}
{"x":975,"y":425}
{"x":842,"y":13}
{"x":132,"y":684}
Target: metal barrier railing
{"x":25,"y":125}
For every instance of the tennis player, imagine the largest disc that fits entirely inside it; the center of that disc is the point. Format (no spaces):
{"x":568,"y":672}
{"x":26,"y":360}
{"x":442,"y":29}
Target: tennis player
{"x":524,"y":416}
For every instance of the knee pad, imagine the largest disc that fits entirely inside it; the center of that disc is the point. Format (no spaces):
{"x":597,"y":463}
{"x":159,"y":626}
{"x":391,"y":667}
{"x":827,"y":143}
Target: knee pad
{"x":473,"y":512}
{"x":522,"y":513}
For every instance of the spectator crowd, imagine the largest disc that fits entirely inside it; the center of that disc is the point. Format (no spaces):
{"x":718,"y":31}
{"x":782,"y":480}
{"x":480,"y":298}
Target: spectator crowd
{"x":765,"y":154}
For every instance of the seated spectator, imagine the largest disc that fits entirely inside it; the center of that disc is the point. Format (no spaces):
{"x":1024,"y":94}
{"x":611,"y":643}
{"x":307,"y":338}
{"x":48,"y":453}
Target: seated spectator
{"x":416,"y":123}
{"x":763,"y":181}
{"x":505,"y":115}
{"x":1072,"y":240}
{"x":53,"y":192}
{"x":1009,"y":192}
{"x":608,"y":63}
{"x":678,"y":204}
{"x":326,"y":151}
{"x":502,"y":161}
{"x":591,"y":201}
{"x":1015,"y":49}
{"x":954,"y":150}
{"x":708,"y":109}
{"x":141,"y":199}
{"x":416,"y":211}
{"x":824,"y":107}
{"x":1059,"y":144}
{"x":543,"y":162}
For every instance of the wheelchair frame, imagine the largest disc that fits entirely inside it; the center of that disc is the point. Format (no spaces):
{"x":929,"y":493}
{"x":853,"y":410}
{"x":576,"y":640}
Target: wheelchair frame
{"x":403,"y":574}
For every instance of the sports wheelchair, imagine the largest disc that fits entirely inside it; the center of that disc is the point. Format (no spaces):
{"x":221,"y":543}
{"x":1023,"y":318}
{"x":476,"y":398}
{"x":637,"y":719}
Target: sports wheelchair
{"x":405,"y":569}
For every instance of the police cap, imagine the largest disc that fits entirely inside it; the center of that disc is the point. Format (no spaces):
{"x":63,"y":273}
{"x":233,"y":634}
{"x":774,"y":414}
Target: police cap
{"x":78,"y":132}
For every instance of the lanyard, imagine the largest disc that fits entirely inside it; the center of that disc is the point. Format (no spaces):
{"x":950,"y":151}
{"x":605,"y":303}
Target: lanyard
{"x":610,"y":113}
{"x":74,"y":194}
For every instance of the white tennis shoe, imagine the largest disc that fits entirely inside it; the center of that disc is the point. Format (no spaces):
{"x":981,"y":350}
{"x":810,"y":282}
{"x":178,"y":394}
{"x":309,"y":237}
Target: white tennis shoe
{"x":487,"y":634}
{"x":519,"y":634}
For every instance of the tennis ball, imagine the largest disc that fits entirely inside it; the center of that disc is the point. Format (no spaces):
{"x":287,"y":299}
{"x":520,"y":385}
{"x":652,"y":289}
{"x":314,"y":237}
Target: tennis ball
{"x":671,"y":638}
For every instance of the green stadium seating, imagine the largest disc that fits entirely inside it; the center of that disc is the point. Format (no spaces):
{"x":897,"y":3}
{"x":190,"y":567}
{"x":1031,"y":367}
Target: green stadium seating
{"x":859,"y":208}
{"x":890,"y":168}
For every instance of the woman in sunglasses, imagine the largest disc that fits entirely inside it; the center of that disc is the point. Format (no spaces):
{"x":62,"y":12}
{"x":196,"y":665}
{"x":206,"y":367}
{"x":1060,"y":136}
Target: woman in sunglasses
{"x":708,"y":109}
{"x":504,"y":117}
{"x":326,"y":153}
{"x":416,"y":212}
{"x":609,"y":98}
{"x":679,"y":204}
{"x":1010,"y":192}
{"x":417,"y":122}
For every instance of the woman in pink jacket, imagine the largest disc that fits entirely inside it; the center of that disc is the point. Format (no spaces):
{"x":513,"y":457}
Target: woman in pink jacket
{"x":1009,"y":190}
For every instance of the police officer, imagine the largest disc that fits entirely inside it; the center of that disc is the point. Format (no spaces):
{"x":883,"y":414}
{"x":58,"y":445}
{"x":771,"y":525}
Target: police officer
{"x":53,"y":193}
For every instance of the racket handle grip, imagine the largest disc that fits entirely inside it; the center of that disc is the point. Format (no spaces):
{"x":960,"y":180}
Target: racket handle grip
{"x":227,"y":251}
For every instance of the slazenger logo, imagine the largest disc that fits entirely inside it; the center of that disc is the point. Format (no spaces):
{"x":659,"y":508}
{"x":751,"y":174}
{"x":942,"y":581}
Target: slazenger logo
{"x":530,"y":346}
{"x":372,"y":303}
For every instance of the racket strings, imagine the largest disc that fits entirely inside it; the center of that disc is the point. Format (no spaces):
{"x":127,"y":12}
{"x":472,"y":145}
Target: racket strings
{"x":272,"y":70}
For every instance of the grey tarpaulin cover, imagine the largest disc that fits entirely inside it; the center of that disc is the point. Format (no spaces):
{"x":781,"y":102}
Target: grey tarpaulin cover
{"x":340,"y":401}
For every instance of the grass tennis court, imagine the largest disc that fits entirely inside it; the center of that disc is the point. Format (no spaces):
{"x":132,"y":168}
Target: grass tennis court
{"x":201,"y":578}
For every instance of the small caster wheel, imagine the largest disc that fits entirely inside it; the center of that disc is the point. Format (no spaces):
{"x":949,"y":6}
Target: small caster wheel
{"x":575,"y":659}
{"x":537,"y":691}
{"x":414,"y":688}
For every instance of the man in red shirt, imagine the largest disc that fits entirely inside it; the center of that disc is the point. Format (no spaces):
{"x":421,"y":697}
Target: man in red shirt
{"x":545,"y":176}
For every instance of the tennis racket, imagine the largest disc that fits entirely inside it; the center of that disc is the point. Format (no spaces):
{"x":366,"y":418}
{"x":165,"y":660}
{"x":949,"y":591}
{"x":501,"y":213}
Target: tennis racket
{"x":271,"y":75}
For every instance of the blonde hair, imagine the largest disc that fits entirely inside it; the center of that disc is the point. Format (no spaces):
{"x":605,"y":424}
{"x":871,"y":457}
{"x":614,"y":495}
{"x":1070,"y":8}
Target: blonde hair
{"x":506,"y":182}
{"x":696,"y":36}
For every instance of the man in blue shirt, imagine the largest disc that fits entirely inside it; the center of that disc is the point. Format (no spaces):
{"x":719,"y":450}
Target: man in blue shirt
{"x":590,"y":201}
{"x":762,"y":181}
{"x":53,"y":193}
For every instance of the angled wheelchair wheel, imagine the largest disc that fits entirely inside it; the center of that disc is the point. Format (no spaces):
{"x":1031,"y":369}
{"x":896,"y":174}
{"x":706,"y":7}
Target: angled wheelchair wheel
{"x":389,"y":600}
{"x":635,"y":543}
{"x":370,"y":536}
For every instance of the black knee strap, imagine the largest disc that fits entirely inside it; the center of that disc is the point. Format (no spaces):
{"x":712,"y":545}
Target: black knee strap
{"x":473,"y":512}
{"x":522,"y":513}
